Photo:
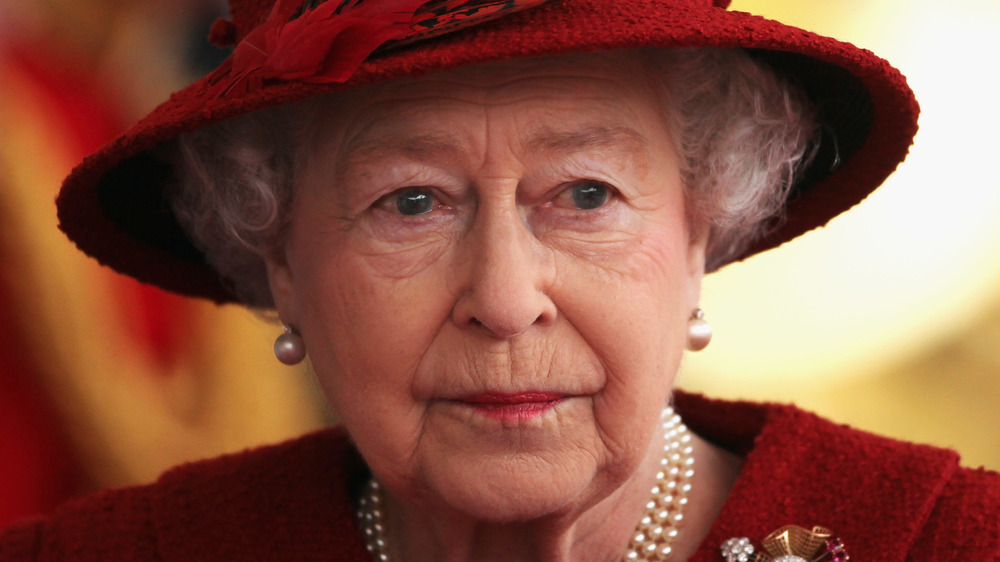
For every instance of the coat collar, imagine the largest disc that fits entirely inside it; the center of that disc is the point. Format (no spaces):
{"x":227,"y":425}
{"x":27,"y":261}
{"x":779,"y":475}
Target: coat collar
{"x":875,"y":493}
{"x":292,"y":501}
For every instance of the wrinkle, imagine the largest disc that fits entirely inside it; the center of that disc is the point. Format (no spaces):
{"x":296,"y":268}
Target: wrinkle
{"x":405,"y":261}
{"x":617,"y":142}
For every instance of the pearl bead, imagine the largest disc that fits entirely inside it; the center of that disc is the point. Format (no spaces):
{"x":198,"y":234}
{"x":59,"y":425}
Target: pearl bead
{"x":699,"y":333}
{"x":289,"y":348}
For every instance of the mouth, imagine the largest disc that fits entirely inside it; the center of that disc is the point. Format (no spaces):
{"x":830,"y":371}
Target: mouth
{"x":513,"y":406}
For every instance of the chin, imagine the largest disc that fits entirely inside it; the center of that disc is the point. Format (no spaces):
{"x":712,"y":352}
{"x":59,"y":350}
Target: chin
{"x":512,"y":505}
{"x":516,"y":490}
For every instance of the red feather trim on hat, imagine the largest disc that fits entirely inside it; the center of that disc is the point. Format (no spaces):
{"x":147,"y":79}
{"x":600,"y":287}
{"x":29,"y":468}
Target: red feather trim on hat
{"x":322,"y":45}
{"x":327,"y":43}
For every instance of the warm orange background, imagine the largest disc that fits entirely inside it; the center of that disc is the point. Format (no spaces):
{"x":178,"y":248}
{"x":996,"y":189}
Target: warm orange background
{"x":888,"y":319}
{"x":131,"y":380}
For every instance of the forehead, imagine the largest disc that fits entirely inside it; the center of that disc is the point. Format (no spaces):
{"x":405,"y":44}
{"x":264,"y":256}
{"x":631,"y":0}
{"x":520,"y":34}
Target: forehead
{"x":561,"y":93}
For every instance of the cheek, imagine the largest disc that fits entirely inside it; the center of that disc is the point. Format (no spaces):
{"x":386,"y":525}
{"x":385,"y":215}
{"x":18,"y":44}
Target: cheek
{"x":371,"y":327}
{"x":366,"y":316}
{"x":367,"y":334}
{"x":632,"y":313}
{"x":639,"y":290}
{"x":634,"y":316}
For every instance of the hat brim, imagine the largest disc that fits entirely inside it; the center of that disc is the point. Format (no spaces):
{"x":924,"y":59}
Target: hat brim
{"x":113,"y":206}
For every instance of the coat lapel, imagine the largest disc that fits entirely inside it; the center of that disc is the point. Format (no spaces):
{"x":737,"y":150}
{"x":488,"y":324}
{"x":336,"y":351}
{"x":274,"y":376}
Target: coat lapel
{"x":875,"y":493}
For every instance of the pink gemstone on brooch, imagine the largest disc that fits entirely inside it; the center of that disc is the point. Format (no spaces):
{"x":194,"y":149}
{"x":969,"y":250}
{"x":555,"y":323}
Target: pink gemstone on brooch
{"x":835,"y":547}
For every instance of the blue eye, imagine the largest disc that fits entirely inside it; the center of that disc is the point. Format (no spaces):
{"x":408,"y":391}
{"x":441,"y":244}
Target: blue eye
{"x":589,"y":195}
{"x":415,"y":201}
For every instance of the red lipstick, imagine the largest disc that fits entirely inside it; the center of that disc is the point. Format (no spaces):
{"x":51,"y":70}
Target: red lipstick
{"x":513,"y":406}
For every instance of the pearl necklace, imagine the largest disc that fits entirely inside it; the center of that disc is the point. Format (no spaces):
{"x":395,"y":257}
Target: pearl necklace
{"x":655,"y":532}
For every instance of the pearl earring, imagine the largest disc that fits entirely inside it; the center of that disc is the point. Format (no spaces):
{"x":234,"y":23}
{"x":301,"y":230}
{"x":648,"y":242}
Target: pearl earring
{"x":699,"y":331}
{"x":289,"y":347}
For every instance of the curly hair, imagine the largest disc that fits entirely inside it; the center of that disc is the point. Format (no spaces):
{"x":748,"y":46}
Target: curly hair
{"x":743,"y":137}
{"x":741,"y":132}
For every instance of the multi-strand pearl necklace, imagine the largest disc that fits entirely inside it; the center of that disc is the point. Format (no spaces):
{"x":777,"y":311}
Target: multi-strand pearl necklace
{"x":655,"y":532}
{"x":659,"y":525}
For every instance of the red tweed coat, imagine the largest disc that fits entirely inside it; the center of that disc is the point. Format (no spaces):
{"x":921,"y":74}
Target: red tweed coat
{"x":888,"y":500}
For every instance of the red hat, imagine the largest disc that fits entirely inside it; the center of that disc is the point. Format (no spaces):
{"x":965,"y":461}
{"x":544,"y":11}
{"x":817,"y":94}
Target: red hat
{"x":113,"y":206}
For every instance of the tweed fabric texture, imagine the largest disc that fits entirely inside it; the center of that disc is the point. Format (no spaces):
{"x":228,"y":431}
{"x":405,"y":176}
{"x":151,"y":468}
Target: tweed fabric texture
{"x":888,"y":500}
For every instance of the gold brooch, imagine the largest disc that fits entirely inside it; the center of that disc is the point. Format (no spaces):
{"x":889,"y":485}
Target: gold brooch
{"x":788,"y":544}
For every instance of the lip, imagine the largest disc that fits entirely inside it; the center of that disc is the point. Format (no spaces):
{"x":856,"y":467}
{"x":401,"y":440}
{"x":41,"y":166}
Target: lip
{"x":513,"y":406}
{"x":501,"y":398}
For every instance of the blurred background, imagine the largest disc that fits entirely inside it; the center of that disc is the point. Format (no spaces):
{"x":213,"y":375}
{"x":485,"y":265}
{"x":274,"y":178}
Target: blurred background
{"x":888,"y":319}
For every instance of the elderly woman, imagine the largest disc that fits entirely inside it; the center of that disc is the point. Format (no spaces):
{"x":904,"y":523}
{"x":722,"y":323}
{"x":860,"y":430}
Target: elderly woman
{"x":487,"y":223}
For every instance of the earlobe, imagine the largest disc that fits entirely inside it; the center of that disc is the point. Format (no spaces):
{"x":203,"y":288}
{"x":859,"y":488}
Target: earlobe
{"x":282,"y":285}
{"x":697,"y":246}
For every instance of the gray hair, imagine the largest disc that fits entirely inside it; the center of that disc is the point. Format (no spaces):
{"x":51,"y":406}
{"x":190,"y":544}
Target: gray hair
{"x":741,"y":132}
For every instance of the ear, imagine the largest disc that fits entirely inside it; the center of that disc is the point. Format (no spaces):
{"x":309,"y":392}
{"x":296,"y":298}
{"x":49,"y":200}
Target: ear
{"x":697,"y":246}
{"x":279,"y":276}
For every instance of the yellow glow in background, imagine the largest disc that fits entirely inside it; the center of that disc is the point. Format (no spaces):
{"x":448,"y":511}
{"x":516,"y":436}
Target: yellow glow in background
{"x":889,"y":318}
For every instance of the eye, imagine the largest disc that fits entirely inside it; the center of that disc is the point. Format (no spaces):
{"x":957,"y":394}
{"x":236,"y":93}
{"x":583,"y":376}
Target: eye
{"x":587,"y":195}
{"x":410,"y":202}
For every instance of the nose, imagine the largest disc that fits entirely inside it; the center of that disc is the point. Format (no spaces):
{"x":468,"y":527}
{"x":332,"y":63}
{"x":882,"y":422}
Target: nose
{"x":507,"y":272}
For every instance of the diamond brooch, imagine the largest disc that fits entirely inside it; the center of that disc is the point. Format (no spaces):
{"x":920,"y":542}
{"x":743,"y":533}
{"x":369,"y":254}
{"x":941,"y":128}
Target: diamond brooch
{"x":788,"y":544}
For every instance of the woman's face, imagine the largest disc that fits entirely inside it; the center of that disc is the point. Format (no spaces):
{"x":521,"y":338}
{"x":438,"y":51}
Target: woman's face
{"x":493,"y":273}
